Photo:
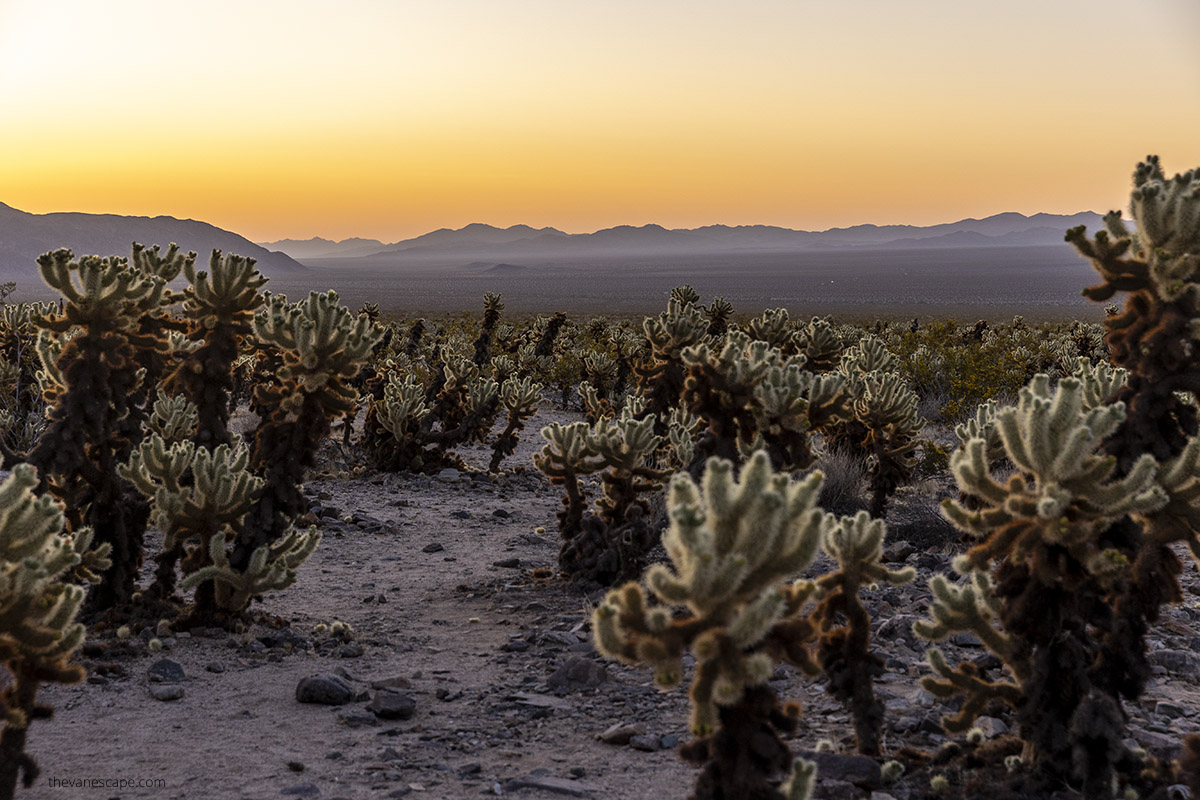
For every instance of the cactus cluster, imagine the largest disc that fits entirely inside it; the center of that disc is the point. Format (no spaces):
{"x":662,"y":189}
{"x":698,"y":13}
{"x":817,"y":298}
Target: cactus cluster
{"x":38,"y":606}
{"x":731,"y":597}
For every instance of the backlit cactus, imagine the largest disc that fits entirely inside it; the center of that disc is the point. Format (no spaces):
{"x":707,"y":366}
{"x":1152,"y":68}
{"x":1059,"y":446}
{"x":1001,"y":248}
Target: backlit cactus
{"x":38,"y":632}
{"x":734,"y":546}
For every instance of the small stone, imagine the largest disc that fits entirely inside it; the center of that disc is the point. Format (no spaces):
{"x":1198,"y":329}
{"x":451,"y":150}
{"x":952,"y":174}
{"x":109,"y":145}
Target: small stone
{"x":577,"y":673}
{"x":388,"y":704}
{"x":508,"y":562}
{"x":435,"y":547}
{"x":647,"y":743}
{"x":307,"y":789}
{"x":1169,"y":709}
{"x":329,"y":690}
{"x":501,"y":513}
{"x":669,"y":741}
{"x":461,"y":514}
{"x":515,"y":646}
{"x":357,"y":719}
{"x":295,"y":766}
{"x":621,"y":733}
{"x":166,"y":671}
{"x":214,"y":666}
{"x":553,"y":785}
{"x":474,"y":768}
{"x":858,"y":770}
{"x":166,"y":692}
{"x":448,"y":475}
{"x":991,"y":727}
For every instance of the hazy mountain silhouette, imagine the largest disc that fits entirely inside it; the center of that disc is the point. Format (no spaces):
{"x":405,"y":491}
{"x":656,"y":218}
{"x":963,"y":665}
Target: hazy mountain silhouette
{"x":480,"y":242}
{"x":25,"y":236}
{"x":317,"y":247}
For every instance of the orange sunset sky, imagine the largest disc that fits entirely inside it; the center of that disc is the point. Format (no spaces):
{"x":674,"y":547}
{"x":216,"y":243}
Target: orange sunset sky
{"x":389,"y":119}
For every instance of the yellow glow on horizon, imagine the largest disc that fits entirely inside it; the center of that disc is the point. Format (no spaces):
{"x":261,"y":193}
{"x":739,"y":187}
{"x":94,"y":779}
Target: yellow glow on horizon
{"x":389,"y":119}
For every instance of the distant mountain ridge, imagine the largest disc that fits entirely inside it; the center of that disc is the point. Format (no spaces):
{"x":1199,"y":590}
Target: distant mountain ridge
{"x":25,"y":236}
{"x":479,"y":241}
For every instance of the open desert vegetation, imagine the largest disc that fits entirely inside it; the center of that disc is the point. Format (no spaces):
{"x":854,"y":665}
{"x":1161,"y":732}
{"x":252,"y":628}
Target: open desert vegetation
{"x":256,"y":548}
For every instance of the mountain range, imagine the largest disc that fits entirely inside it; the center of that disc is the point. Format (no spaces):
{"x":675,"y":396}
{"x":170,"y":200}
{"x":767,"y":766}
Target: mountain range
{"x":25,"y":236}
{"x":479,"y":241}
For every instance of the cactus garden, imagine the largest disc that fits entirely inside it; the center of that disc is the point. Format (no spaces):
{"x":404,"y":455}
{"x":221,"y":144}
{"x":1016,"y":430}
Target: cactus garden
{"x":257,"y":546}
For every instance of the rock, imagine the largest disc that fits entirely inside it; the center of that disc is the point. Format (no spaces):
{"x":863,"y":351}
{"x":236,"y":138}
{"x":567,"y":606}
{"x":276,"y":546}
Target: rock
{"x":669,"y":740}
{"x":551,"y":784}
{"x":306,"y":789}
{"x":1181,"y":662}
{"x":831,"y":789}
{"x":859,"y":770}
{"x":448,"y":475}
{"x":647,"y":743}
{"x":509,"y":563}
{"x":515,"y":646}
{"x":285,"y":638}
{"x":1169,"y":709}
{"x":578,"y":673}
{"x":167,"y":691}
{"x":434,"y":547}
{"x":621,"y":733}
{"x":474,"y":768}
{"x":166,"y":671}
{"x":357,"y":719}
{"x":501,"y":513}
{"x":461,"y":514}
{"x":898,"y":628}
{"x":215,"y":666}
{"x":991,"y":727}
{"x":329,"y":690}
{"x":388,"y":704}
{"x":1158,"y":744}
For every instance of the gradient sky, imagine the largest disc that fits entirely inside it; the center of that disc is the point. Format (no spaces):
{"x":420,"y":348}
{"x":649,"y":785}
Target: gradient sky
{"x":388,"y":119}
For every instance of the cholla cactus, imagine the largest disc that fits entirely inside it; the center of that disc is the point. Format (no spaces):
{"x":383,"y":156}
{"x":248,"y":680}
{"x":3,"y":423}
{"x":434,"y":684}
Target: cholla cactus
{"x":198,"y":495}
{"x":609,"y":544}
{"x":219,"y":306}
{"x":38,"y":632}
{"x":719,"y":311}
{"x":94,"y":378}
{"x":1046,"y":546}
{"x":856,"y":544}
{"x":270,"y":568}
{"x":733,"y":546}
{"x":882,"y":424}
{"x":750,"y":396}
{"x":820,"y":344}
{"x":491,"y":316}
{"x":661,"y":376}
{"x":519,"y":399}
{"x":321,"y":347}
{"x":773,"y":326}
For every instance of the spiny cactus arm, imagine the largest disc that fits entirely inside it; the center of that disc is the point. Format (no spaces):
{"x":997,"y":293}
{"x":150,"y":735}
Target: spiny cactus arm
{"x":1100,"y":381}
{"x":228,"y":292}
{"x":568,"y":452}
{"x":271,"y":568}
{"x":829,"y":400}
{"x":856,"y":544}
{"x":166,"y":266}
{"x":685,"y":295}
{"x":173,"y":417}
{"x":964,"y":680}
{"x":1108,"y":256}
{"x":97,"y":289}
{"x":971,"y":607}
{"x":594,"y":406}
{"x":801,"y":783}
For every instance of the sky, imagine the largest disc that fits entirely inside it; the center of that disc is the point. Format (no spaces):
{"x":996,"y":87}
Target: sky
{"x":390,"y":118}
